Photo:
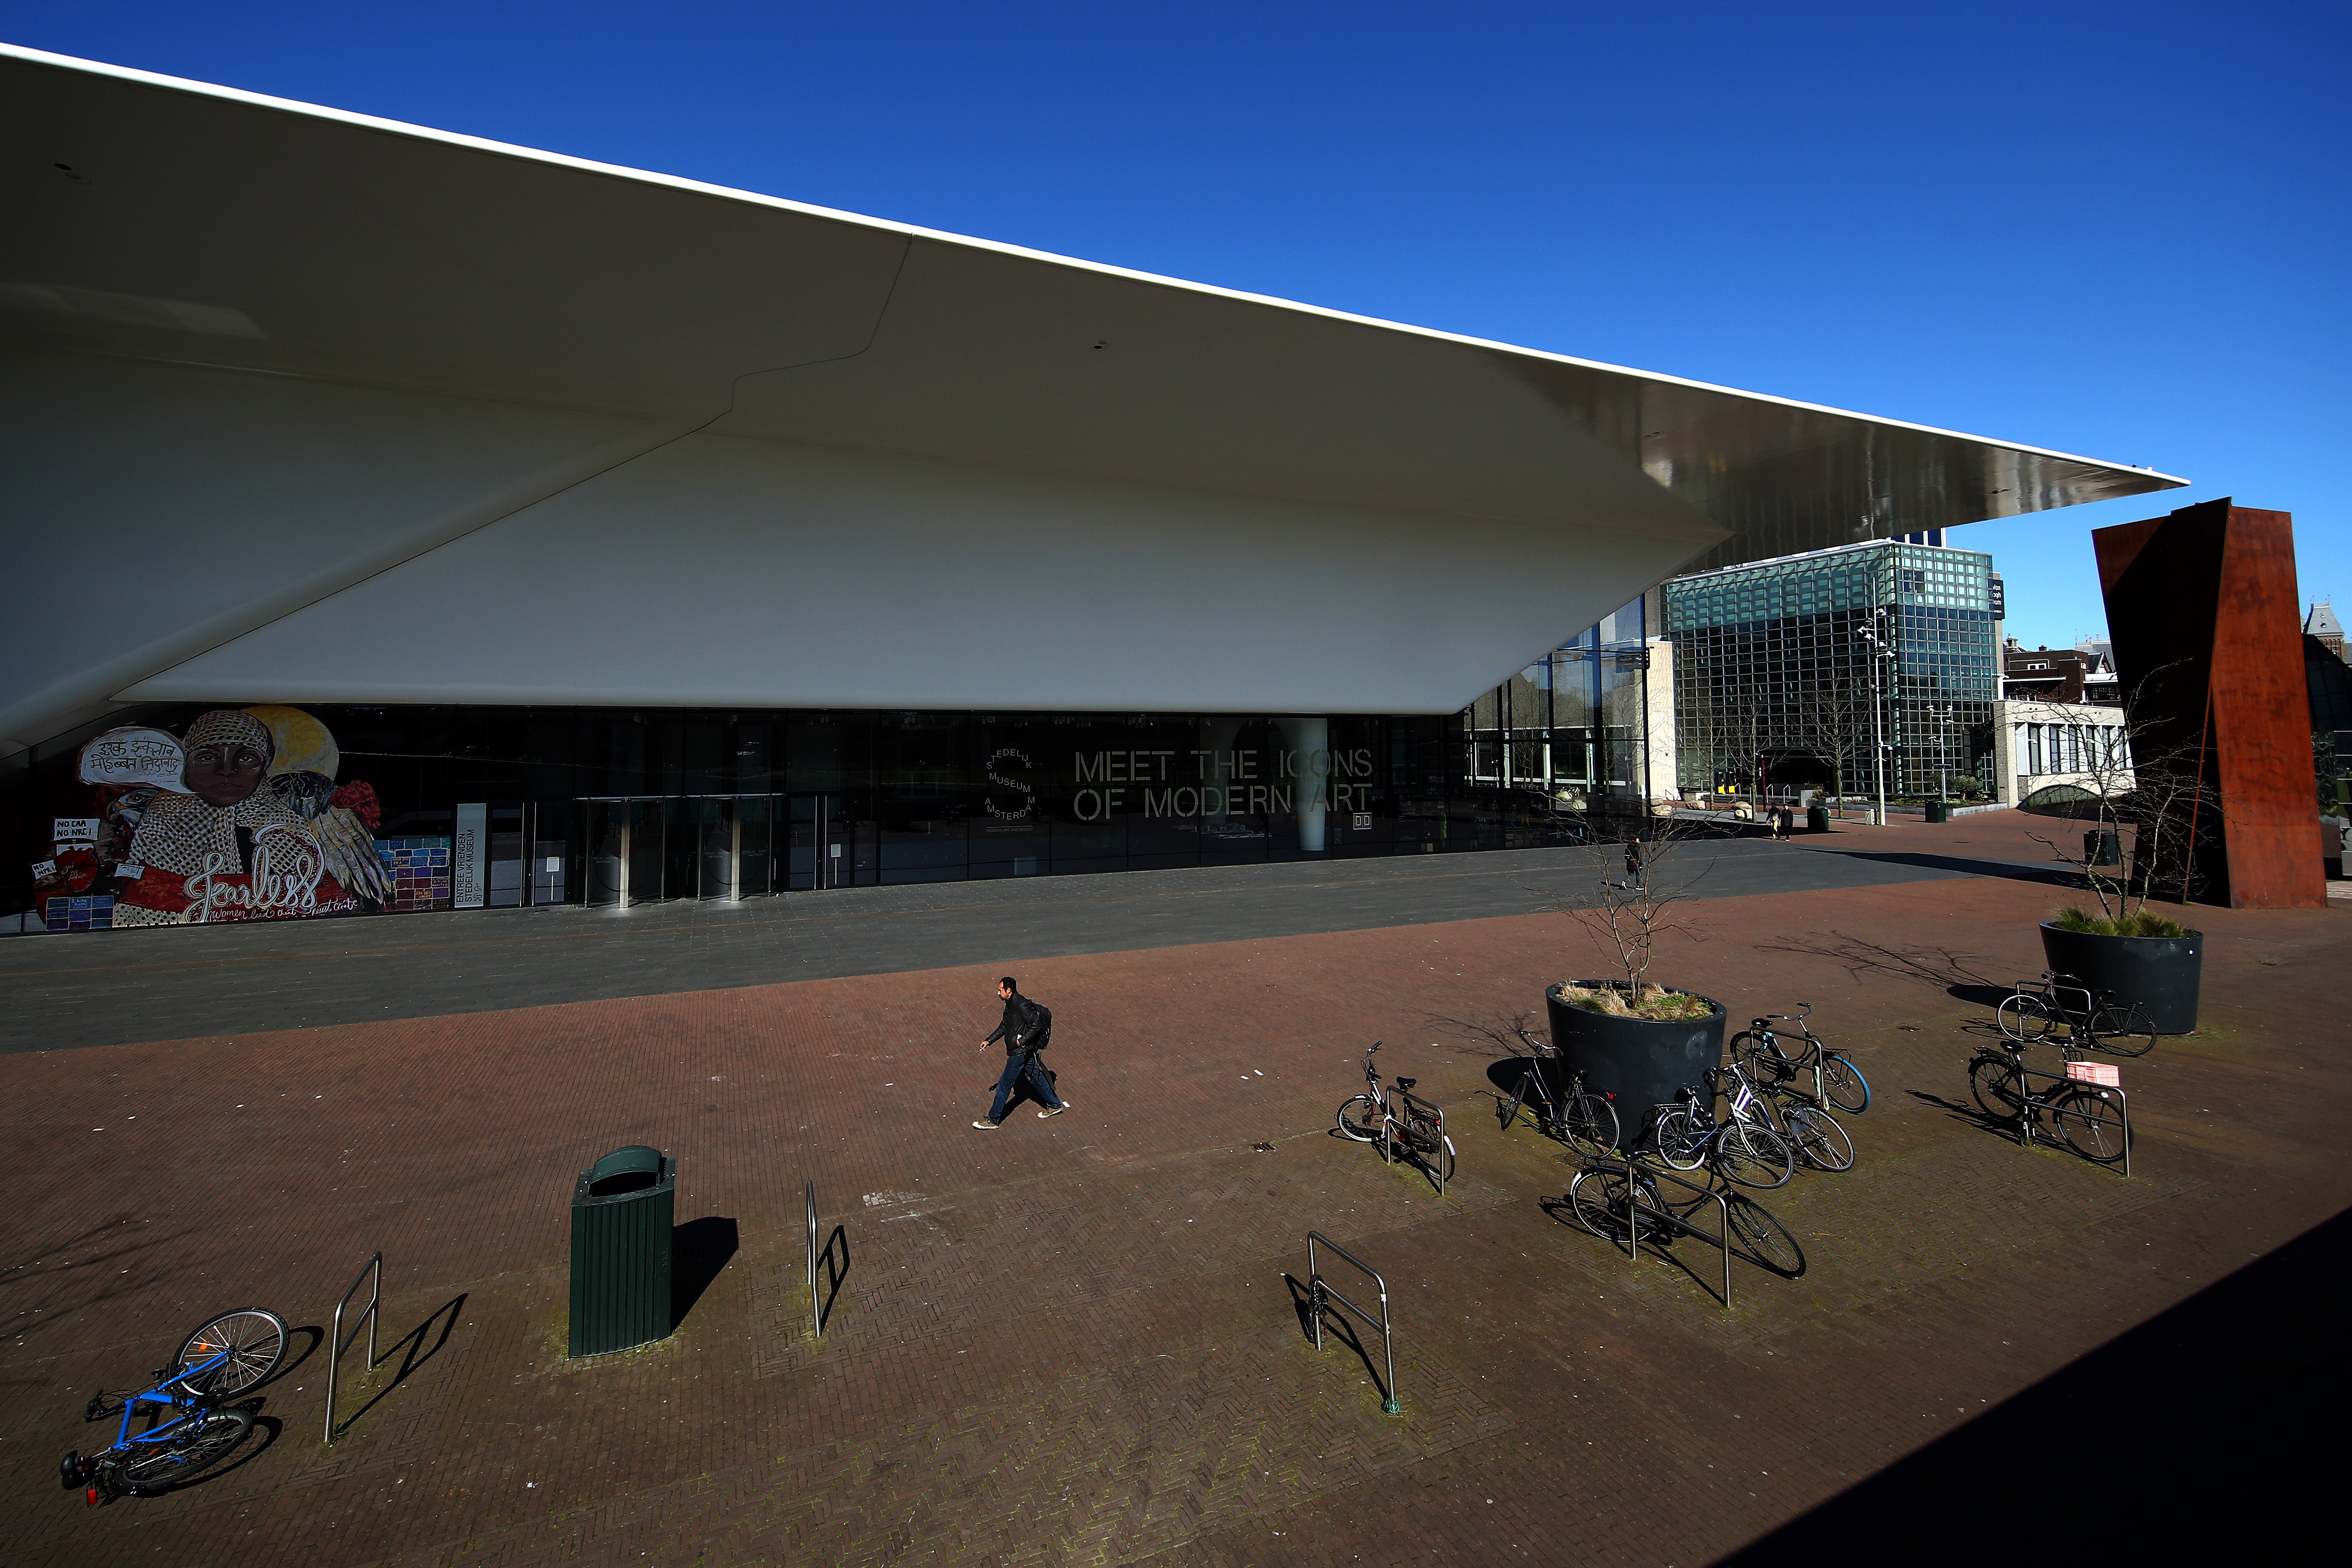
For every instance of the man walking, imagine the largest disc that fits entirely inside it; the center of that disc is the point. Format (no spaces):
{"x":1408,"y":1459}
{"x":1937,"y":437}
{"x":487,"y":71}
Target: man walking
{"x":1028,"y":1028}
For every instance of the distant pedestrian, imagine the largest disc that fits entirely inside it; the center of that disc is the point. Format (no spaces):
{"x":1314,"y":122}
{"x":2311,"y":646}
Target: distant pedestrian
{"x":1026,"y":1029}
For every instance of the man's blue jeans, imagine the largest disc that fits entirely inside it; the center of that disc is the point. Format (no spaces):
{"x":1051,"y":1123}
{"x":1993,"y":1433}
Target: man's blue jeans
{"x":1016,"y":1071}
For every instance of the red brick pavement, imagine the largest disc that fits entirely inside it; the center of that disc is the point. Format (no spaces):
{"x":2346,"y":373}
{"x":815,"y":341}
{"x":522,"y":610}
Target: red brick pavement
{"x":1072,"y":1341}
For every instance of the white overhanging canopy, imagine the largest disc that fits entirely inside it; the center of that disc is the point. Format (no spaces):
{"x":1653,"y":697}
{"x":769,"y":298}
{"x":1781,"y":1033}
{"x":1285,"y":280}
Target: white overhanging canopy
{"x":320,"y":408}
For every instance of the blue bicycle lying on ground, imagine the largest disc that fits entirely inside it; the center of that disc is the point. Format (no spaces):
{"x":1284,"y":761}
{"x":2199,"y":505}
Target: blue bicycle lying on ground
{"x":190,"y":1425}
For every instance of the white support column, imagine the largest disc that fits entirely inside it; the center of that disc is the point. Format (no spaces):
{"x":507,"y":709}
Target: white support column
{"x":1308,"y":741}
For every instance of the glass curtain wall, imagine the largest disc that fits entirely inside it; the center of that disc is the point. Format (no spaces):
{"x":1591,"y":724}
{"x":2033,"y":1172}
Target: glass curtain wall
{"x":618,"y":807}
{"x":1778,"y":685}
{"x":1566,"y":729}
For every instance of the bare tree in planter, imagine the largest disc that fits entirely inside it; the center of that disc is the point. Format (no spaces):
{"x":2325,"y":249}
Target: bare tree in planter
{"x":1633,"y":1042}
{"x":1633,"y":910}
{"x":2126,"y":777}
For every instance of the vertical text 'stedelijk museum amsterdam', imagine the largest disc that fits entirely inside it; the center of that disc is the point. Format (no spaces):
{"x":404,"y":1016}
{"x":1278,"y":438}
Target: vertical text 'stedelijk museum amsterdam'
{"x":424,"y":522}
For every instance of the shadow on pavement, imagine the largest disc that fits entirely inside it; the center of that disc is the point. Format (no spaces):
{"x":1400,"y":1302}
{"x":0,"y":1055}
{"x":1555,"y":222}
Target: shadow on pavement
{"x":2182,"y":1439}
{"x":415,"y":1348}
{"x":834,"y":1272}
{"x":2012,"y":869}
{"x":1336,"y":1325}
{"x":699,"y":1249}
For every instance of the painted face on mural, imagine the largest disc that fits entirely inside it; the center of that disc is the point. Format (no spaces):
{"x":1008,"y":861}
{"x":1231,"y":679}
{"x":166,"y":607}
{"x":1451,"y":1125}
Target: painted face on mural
{"x":225,"y":774}
{"x":229,"y":756}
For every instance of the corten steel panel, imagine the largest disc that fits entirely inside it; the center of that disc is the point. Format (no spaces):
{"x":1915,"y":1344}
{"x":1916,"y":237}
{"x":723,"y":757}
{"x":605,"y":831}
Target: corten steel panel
{"x":2202,"y":608}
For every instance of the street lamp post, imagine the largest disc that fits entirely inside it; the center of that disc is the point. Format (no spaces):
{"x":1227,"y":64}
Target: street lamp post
{"x":1943,"y":712}
{"x":1871,"y":634}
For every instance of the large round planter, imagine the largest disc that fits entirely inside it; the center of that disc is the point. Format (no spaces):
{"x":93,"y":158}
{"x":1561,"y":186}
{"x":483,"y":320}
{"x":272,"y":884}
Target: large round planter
{"x":2159,"y":973}
{"x":1642,"y":1063}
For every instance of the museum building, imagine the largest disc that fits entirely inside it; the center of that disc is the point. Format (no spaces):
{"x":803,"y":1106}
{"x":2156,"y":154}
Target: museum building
{"x":425,"y":522}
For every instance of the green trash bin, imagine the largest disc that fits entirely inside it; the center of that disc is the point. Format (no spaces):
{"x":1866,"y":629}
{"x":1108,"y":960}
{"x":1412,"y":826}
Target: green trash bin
{"x":1939,"y":811}
{"x":622,"y":1211}
{"x":1817,"y":819}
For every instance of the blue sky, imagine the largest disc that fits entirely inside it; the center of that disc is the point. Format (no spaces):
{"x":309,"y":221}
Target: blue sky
{"x":2117,"y":230}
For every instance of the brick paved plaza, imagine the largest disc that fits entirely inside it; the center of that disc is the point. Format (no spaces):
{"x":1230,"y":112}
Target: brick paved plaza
{"x":1074,"y":1340}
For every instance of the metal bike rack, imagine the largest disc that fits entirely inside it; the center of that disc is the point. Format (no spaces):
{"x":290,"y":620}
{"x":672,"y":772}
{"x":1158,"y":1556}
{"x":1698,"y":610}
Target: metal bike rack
{"x":335,"y":1334}
{"x":1411,"y":1098}
{"x":1318,"y":1289}
{"x":1633,"y":1175}
{"x":2123,"y":1102}
{"x":816,"y":1298}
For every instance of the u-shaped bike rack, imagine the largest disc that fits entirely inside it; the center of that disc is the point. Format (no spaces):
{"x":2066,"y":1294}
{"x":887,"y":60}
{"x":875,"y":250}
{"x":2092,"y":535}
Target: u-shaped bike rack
{"x":1318,"y":1290}
{"x":335,"y":1334}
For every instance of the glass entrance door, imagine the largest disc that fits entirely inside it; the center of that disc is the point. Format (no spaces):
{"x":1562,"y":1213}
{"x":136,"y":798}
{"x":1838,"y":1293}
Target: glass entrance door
{"x":825,"y":843}
{"x":714,"y":824}
{"x":608,"y":852}
{"x":734,"y":846}
{"x":755,"y":846}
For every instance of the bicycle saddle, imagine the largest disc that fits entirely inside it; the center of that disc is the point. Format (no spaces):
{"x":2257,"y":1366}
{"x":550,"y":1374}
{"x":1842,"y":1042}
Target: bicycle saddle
{"x":1407,"y":1082}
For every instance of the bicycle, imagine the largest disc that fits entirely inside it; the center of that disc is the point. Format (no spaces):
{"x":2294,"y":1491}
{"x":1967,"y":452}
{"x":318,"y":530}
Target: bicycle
{"x":1621,"y":1202}
{"x":1420,"y":1130}
{"x":225,"y":1356}
{"x":1585,"y":1121}
{"x":1836,"y":1080}
{"x":2101,"y":1022}
{"x":2090,"y":1118}
{"x":1744,"y":1145}
{"x":1815,"y":1136}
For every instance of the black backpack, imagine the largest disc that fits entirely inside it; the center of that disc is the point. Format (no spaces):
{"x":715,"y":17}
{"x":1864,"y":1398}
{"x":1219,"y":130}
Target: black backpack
{"x":1040,"y":1032}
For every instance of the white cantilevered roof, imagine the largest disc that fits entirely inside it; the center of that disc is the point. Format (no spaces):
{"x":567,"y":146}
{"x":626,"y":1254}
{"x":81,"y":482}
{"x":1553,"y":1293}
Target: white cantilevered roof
{"x":198,"y":222}
{"x":323,"y":407}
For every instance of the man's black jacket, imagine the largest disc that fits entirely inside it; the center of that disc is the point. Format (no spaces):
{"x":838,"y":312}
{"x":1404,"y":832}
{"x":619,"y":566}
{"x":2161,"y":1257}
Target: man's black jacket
{"x":1026,"y":1026}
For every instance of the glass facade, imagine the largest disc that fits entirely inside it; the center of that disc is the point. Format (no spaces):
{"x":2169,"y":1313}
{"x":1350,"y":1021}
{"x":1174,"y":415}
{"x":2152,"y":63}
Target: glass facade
{"x":366,"y":809}
{"x":186,"y":814}
{"x":1571,"y":728}
{"x":1774,"y":669}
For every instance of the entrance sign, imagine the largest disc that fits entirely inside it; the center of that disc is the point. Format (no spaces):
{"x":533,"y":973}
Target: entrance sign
{"x":468,"y":852}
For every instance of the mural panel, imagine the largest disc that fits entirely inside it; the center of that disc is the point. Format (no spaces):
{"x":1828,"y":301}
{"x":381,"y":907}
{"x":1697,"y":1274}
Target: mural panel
{"x":238,"y":819}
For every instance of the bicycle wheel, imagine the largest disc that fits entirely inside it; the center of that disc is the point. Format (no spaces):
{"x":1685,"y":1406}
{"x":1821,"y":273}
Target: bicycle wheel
{"x":1441,"y":1159}
{"x":1760,"y":1238}
{"x":1752,"y":1051}
{"x":1999,"y":1085}
{"x":1753,"y":1155}
{"x":1679,"y":1140}
{"x":254,"y":1341}
{"x":2023,"y":1016}
{"x":1589,"y":1124}
{"x":2092,"y":1123}
{"x":1361,"y":1119}
{"x":1598,"y":1199}
{"x":201,"y":1440}
{"x":1426,"y":1143}
{"x":1518,"y":1097}
{"x":1842,"y":1083}
{"x":2123,"y":1030}
{"x":1820,"y":1141}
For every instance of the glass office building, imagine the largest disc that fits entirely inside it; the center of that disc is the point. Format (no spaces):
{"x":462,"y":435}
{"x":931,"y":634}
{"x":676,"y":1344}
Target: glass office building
{"x":1774,"y":682}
